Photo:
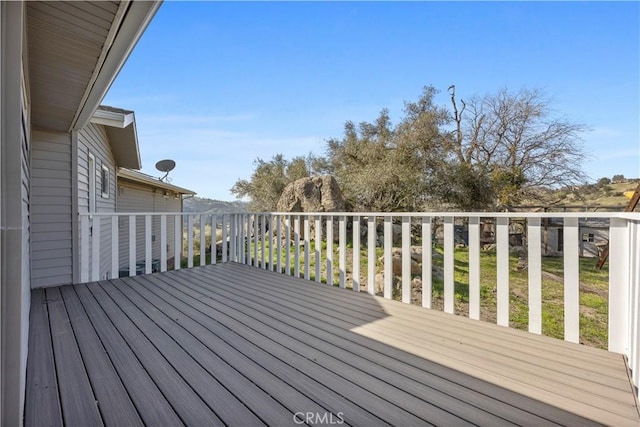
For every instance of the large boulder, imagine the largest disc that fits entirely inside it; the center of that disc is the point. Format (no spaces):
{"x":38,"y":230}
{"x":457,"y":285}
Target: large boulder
{"x":317,"y":194}
{"x":312,"y":194}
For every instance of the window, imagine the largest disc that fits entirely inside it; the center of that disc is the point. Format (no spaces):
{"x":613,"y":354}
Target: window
{"x":104,"y":184}
{"x":91,"y":172}
{"x":588,"y":237}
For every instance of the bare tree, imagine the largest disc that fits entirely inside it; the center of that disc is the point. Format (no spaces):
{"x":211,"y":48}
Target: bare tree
{"x":518,"y":141}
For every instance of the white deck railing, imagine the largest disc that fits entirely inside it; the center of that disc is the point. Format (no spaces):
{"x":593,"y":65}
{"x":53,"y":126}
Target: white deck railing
{"x":130,"y":242}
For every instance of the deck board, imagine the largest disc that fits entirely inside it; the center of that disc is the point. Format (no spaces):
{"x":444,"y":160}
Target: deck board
{"x":235,"y":345}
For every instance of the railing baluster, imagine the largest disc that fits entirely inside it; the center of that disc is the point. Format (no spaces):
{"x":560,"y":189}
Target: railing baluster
{"x":263,"y":240}
{"x":177,"y":241}
{"x":255,"y":240}
{"x":242,"y":242}
{"x":271,"y":263}
{"x":279,"y":244}
{"x":388,"y":267}
{"x":474,"y":268}
{"x":502,"y":261}
{"x":203,"y":240}
{"x":132,"y":246}
{"x":189,"y":241}
{"x":355,"y":271}
{"x":95,"y":249}
{"x":330,"y":251}
{"x":426,"y":262}
{"x":287,"y":244}
{"x":115,"y":247}
{"x":307,"y":243}
{"x":296,"y":245}
{"x":406,"y":259}
{"x":342,"y":251}
{"x":534,"y":267}
{"x":571,"y":281}
{"x":449,"y":288}
{"x":85,"y":248}
{"x":214,"y":239}
{"x":233,"y":238}
{"x":372,"y":237}
{"x":163,"y":243}
{"x":148,"y":254}
{"x":318,"y":248}
{"x":224,"y":237}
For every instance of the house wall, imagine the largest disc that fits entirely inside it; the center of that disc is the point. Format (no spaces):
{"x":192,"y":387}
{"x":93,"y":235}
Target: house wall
{"x":93,"y":139}
{"x":14,"y":213}
{"x":134,"y":197}
{"x":51,"y":209}
{"x":589,"y":249}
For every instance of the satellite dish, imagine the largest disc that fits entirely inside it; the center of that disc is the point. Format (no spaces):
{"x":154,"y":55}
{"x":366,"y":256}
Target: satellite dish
{"x":165,"y":166}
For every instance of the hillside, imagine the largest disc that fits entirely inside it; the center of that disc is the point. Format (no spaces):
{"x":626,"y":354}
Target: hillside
{"x":611,"y":196}
{"x":204,"y":205}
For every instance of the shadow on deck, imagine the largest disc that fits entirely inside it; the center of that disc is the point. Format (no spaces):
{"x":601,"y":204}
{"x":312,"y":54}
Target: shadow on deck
{"x":230,"y":344}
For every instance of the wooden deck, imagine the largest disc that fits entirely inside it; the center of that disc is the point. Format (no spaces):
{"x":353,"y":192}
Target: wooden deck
{"x":234,"y":345}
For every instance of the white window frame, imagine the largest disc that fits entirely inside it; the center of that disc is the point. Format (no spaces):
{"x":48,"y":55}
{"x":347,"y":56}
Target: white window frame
{"x":91,"y":172}
{"x":104,"y":184}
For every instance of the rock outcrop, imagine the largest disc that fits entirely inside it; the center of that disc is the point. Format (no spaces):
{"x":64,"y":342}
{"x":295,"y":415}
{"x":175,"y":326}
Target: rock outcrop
{"x":312,"y":194}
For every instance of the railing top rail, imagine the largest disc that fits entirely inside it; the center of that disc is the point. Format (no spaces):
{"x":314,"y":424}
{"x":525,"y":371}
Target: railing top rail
{"x":633,"y":216}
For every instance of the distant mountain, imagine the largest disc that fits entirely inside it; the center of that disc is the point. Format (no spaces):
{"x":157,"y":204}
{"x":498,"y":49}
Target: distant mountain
{"x":203,"y":205}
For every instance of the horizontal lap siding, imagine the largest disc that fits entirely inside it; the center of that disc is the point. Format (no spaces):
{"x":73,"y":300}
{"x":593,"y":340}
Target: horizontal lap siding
{"x":139,"y":198}
{"x":51,"y":209}
{"x":93,"y":139}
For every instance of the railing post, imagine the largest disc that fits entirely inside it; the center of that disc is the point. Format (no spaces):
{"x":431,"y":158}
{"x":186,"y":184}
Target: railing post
{"x":571,"y":281}
{"x":406,"y":259}
{"x":132,"y":246}
{"x":355,"y":270}
{"x":502,"y":263}
{"x":372,"y":236}
{"x":619,"y":245}
{"x":163,"y":243}
{"x":189,"y":241}
{"x":427,"y":260}
{"x":474,"y":268}
{"x":342,"y":251}
{"x":388,"y":261}
{"x":85,"y":248}
{"x":177,"y":241}
{"x":233,"y":250}
{"x":534,"y":263}
{"x":634,"y":303}
{"x":115,"y":247}
{"x":449,"y":289}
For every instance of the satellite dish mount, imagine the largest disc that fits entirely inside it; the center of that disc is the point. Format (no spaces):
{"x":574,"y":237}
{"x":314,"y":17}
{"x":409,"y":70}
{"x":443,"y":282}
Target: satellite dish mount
{"x":165,"y":166}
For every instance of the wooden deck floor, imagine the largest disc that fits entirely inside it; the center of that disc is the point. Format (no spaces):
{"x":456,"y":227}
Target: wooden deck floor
{"x":234,"y":345}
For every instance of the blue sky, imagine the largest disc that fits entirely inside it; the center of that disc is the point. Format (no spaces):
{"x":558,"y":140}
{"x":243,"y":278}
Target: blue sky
{"x":217,"y":84}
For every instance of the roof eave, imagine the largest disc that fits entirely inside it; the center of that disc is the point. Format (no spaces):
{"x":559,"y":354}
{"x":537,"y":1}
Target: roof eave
{"x":135,"y":21}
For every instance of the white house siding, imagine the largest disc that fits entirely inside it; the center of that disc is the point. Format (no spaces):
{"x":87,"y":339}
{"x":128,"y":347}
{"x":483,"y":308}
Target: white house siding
{"x":14,"y":218}
{"x":93,"y":139}
{"x":51,"y":209}
{"x":133,"y":197}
